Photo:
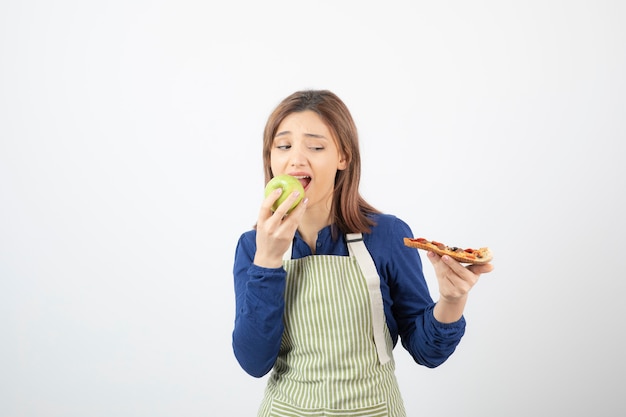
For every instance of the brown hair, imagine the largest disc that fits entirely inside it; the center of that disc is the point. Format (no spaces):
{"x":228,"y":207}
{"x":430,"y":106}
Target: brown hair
{"x":349,"y":211}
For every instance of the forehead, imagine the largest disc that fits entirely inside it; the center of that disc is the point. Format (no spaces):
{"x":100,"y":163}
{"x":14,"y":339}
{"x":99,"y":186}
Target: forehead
{"x":305,"y":122}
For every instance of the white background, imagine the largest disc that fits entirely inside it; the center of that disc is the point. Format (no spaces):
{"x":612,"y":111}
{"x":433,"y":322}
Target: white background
{"x":130,"y":140}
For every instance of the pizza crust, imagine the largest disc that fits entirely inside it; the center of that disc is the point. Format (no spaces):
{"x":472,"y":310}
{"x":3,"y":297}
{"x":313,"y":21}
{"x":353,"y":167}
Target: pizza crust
{"x":468,"y":256}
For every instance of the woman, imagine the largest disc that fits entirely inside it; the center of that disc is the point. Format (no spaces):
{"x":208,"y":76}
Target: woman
{"x":324,"y":292}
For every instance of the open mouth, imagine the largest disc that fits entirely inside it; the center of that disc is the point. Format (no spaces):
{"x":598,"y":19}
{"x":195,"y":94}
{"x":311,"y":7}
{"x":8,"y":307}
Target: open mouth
{"x":304,"y":180}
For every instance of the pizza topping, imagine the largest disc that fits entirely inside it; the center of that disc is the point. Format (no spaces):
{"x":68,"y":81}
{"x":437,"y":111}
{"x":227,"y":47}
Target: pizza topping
{"x":439,"y":245}
{"x":467,"y":255}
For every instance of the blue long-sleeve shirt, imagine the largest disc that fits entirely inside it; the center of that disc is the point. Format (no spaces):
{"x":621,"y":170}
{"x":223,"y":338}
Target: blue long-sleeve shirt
{"x":408,"y":305}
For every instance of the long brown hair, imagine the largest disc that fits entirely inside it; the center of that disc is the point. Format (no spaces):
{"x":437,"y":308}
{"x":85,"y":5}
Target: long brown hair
{"x":350,"y":212}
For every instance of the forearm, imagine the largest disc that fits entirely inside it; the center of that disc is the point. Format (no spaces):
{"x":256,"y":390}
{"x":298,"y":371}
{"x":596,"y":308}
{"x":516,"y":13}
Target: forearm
{"x":259,"y":320}
{"x":256,"y":350}
{"x":431,"y":342}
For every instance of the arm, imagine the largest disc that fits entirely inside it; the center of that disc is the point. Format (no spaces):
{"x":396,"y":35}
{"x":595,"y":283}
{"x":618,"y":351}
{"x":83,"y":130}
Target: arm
{"x":444,"y":324}
{"x":429,"y":341}
{"x":260,"y":285}
{"x":259,"y":307}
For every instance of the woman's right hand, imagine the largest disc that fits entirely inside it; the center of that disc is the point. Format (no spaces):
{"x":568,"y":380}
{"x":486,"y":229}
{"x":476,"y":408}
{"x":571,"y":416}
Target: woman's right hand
{"x":275,"y":231}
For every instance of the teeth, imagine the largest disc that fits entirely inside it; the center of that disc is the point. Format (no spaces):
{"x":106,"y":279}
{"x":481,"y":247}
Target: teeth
{"x":301,"y":177}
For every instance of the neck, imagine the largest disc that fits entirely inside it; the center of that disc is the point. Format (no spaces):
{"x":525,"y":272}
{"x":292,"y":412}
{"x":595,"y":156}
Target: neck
{"x":312,"y":222}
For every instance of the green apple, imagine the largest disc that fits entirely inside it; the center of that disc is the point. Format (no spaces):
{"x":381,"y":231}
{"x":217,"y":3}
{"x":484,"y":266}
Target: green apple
{"x":288,"y":184}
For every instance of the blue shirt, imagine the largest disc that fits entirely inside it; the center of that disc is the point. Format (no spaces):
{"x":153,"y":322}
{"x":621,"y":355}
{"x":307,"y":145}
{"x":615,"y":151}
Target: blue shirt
{"x":408,"y":305}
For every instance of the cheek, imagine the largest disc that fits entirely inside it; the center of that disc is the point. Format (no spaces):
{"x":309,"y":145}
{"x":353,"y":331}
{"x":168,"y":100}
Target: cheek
{"x":329,"y":174}
{"x":275,"y":160}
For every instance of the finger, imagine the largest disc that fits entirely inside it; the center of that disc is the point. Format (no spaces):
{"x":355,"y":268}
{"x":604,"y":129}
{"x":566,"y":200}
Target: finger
{"x":455,"y":265}
{"x":457,"y":269}
{"x":299,"y":210}
{"x":449,"y":280}
{"x":433,"y":258}
{"x":481,"y":269}
{"x":268,"y":202}
{"x":442,"y":268}
{"x":284,"y":207}
{"x":289,"y":223}
{"x":441,"y":260}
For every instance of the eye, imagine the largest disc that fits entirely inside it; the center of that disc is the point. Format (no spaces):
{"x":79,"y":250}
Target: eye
{"x":316,"y":148}
{"x":283,"y":147}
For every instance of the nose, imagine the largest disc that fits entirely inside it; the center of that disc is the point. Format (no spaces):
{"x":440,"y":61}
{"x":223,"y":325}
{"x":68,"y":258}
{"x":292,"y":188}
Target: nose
{"x":297,"y":157}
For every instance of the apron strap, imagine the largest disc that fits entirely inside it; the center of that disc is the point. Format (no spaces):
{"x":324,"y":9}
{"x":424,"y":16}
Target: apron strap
{"x":356,"y":248}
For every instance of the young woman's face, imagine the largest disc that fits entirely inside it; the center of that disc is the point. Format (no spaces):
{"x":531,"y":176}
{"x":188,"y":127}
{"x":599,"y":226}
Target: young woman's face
{"x":305,"y":148}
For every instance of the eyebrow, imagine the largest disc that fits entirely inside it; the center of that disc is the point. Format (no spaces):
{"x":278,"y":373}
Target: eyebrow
{"x":309,"y":135}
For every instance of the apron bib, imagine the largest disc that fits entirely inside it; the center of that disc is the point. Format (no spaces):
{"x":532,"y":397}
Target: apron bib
{"x":335,"y":357}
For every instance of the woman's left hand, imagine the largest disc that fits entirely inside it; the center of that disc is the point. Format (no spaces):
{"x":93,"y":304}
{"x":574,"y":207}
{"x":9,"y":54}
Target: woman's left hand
{"x":455,"y":282}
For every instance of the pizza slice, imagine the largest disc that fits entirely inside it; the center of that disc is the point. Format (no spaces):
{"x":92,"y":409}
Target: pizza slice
{"x":468,"y":255}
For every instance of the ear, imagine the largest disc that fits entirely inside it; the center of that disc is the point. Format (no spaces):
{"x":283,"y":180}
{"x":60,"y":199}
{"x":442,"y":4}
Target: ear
{"x":343,"y":163}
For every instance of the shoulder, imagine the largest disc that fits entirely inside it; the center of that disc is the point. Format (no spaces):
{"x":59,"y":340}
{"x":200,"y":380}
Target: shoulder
{"x":248,"y":235}
{"x":388,"y":230}
{"x":389,"y":224}
{"x":398,"y":265}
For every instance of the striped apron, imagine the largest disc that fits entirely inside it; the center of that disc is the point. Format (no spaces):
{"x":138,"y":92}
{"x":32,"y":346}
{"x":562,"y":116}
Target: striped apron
{"x":336,"y":356}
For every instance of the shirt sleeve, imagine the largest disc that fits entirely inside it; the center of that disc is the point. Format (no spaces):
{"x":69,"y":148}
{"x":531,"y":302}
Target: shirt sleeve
{"x":259,"y":304}
{"x":429,"y":341}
